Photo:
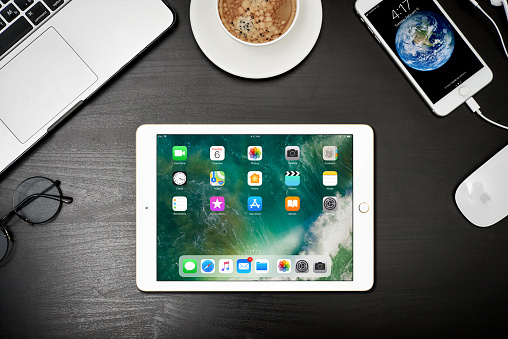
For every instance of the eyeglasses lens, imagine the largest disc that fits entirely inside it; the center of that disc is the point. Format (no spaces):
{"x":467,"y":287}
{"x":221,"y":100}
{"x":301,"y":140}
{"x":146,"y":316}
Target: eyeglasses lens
{"x":37,"y":200}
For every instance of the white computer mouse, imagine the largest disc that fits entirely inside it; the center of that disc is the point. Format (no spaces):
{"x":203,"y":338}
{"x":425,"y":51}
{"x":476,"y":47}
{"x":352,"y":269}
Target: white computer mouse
{"x":483,"y":196}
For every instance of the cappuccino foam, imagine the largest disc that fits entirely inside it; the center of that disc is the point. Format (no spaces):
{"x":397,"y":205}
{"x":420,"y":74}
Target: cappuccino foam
{"x":257,"y":21}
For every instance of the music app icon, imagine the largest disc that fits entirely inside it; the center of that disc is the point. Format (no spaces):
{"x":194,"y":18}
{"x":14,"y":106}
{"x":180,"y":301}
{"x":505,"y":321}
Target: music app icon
{"x":226,"y":266}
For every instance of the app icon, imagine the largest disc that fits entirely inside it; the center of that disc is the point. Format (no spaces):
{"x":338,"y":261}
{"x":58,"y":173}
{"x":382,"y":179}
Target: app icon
{"x":292,"y":204}
{"x":292,"y":153}
{"x":217,"y":178}
{"x":319,"y":267}
{"x":284,"y":266}
{"x":261,"y":266}
{"x":302,"y":266}
{"x":179,"y":204}
{"x":255,"y":178}
{"x":255,"y":153}
{"x":217,"y":204}
{"x":226,"y":266}
{"x":292,"y":178}
{"x":217,"y":153}
{"x":207,"y":266}
{"x":179,"y":178}
{"x":243,"y":265}
{"x":179,"y":153}
{"x":329,"y":204}
{"x":255,"y":204}
{"x":190,"y":266}
{"x":330,"y":153}
{"x":330,"y":178}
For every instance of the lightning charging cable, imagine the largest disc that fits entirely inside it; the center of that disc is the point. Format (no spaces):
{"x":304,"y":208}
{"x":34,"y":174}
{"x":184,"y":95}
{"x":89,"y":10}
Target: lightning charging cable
{"x":475,"y":108}
{"x":497,"y":29}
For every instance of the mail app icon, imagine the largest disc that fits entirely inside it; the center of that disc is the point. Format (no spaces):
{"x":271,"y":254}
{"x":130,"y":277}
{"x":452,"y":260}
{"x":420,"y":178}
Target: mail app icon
{"x":243,"y":266}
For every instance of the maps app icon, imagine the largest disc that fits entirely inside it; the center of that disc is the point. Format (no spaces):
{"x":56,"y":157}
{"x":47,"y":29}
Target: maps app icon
{"x":292,"y":178}
{"x":217,"y":178}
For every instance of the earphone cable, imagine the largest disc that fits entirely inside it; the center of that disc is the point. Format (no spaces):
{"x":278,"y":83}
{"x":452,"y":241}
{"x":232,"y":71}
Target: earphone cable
{"x":493,"y":22}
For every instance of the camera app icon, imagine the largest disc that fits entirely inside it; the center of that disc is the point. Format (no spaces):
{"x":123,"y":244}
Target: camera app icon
{"x":319,"y":267}
{"x":292,"y":153}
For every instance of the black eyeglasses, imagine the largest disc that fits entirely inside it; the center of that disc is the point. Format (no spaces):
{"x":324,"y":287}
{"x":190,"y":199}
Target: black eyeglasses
{"x":35,"y":201}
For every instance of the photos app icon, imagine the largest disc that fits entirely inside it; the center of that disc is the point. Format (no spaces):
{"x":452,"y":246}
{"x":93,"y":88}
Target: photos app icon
{"x":255,"y":153}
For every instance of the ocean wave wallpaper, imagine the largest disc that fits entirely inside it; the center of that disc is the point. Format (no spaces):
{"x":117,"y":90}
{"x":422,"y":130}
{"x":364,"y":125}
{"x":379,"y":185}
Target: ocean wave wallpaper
{"x":206,"y":207}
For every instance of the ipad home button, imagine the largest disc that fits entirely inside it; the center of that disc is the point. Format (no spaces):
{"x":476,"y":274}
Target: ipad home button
{"x":363,"y":207}
{"x":464,"y":91}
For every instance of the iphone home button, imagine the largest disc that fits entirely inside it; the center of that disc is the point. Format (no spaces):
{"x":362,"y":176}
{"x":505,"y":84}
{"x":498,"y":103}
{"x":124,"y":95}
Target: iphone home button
{"x":363,"y":207}
{"x":464,"y":91}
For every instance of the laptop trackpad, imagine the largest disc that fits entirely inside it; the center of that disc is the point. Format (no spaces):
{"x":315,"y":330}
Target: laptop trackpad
{"x":41,"y":82}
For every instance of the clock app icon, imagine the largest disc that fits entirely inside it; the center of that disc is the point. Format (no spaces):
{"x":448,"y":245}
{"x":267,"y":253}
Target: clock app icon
{"x":179,"y":178}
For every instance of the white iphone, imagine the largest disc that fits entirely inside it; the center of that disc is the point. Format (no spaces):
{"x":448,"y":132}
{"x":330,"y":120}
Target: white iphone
{"x":429,"y":49}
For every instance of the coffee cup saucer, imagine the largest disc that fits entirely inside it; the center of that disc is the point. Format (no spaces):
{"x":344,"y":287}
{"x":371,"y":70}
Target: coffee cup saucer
{"x":255,"y":62}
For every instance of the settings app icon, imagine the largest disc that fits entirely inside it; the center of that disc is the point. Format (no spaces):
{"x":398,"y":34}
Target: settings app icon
{"x":329,"y":204}
{"x":302,"y":266}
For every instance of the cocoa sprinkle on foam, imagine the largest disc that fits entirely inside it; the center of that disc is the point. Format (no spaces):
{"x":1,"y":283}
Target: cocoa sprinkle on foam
{"x":256,"y":21}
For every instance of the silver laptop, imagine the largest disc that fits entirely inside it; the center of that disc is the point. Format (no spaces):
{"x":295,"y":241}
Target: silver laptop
{"x":55,"y":53}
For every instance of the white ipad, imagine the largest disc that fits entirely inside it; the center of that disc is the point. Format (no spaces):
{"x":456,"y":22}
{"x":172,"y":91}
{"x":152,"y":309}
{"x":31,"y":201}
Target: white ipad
{"x":254,"y":208}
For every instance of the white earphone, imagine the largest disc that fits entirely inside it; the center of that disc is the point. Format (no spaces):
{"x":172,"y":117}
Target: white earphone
{"x":471,"y":102}
{"x":495,"y":3}
{"x":501,"y":3}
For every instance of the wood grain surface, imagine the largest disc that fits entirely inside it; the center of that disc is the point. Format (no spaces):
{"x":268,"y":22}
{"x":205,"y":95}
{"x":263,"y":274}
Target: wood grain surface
{"x":435,"y":273}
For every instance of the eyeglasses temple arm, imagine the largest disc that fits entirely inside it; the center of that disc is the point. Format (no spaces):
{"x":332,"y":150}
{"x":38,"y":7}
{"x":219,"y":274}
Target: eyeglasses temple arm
{"x":65,"y":199}
{"x":5,"y":219}
{"x":31,"y":198}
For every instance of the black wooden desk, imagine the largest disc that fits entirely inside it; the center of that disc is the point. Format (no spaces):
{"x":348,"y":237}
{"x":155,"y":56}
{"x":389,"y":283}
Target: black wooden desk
{"x":435,"y":273}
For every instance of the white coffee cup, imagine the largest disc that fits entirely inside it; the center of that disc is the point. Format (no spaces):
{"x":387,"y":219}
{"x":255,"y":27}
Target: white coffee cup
{"x":297,"y":2}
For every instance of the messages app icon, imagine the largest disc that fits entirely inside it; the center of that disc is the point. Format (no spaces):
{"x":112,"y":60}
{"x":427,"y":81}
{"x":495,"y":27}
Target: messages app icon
{"x":190,"y":266}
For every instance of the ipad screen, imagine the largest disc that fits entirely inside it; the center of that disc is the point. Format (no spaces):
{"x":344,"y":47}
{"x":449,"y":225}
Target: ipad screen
{"x":254,"y":207}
